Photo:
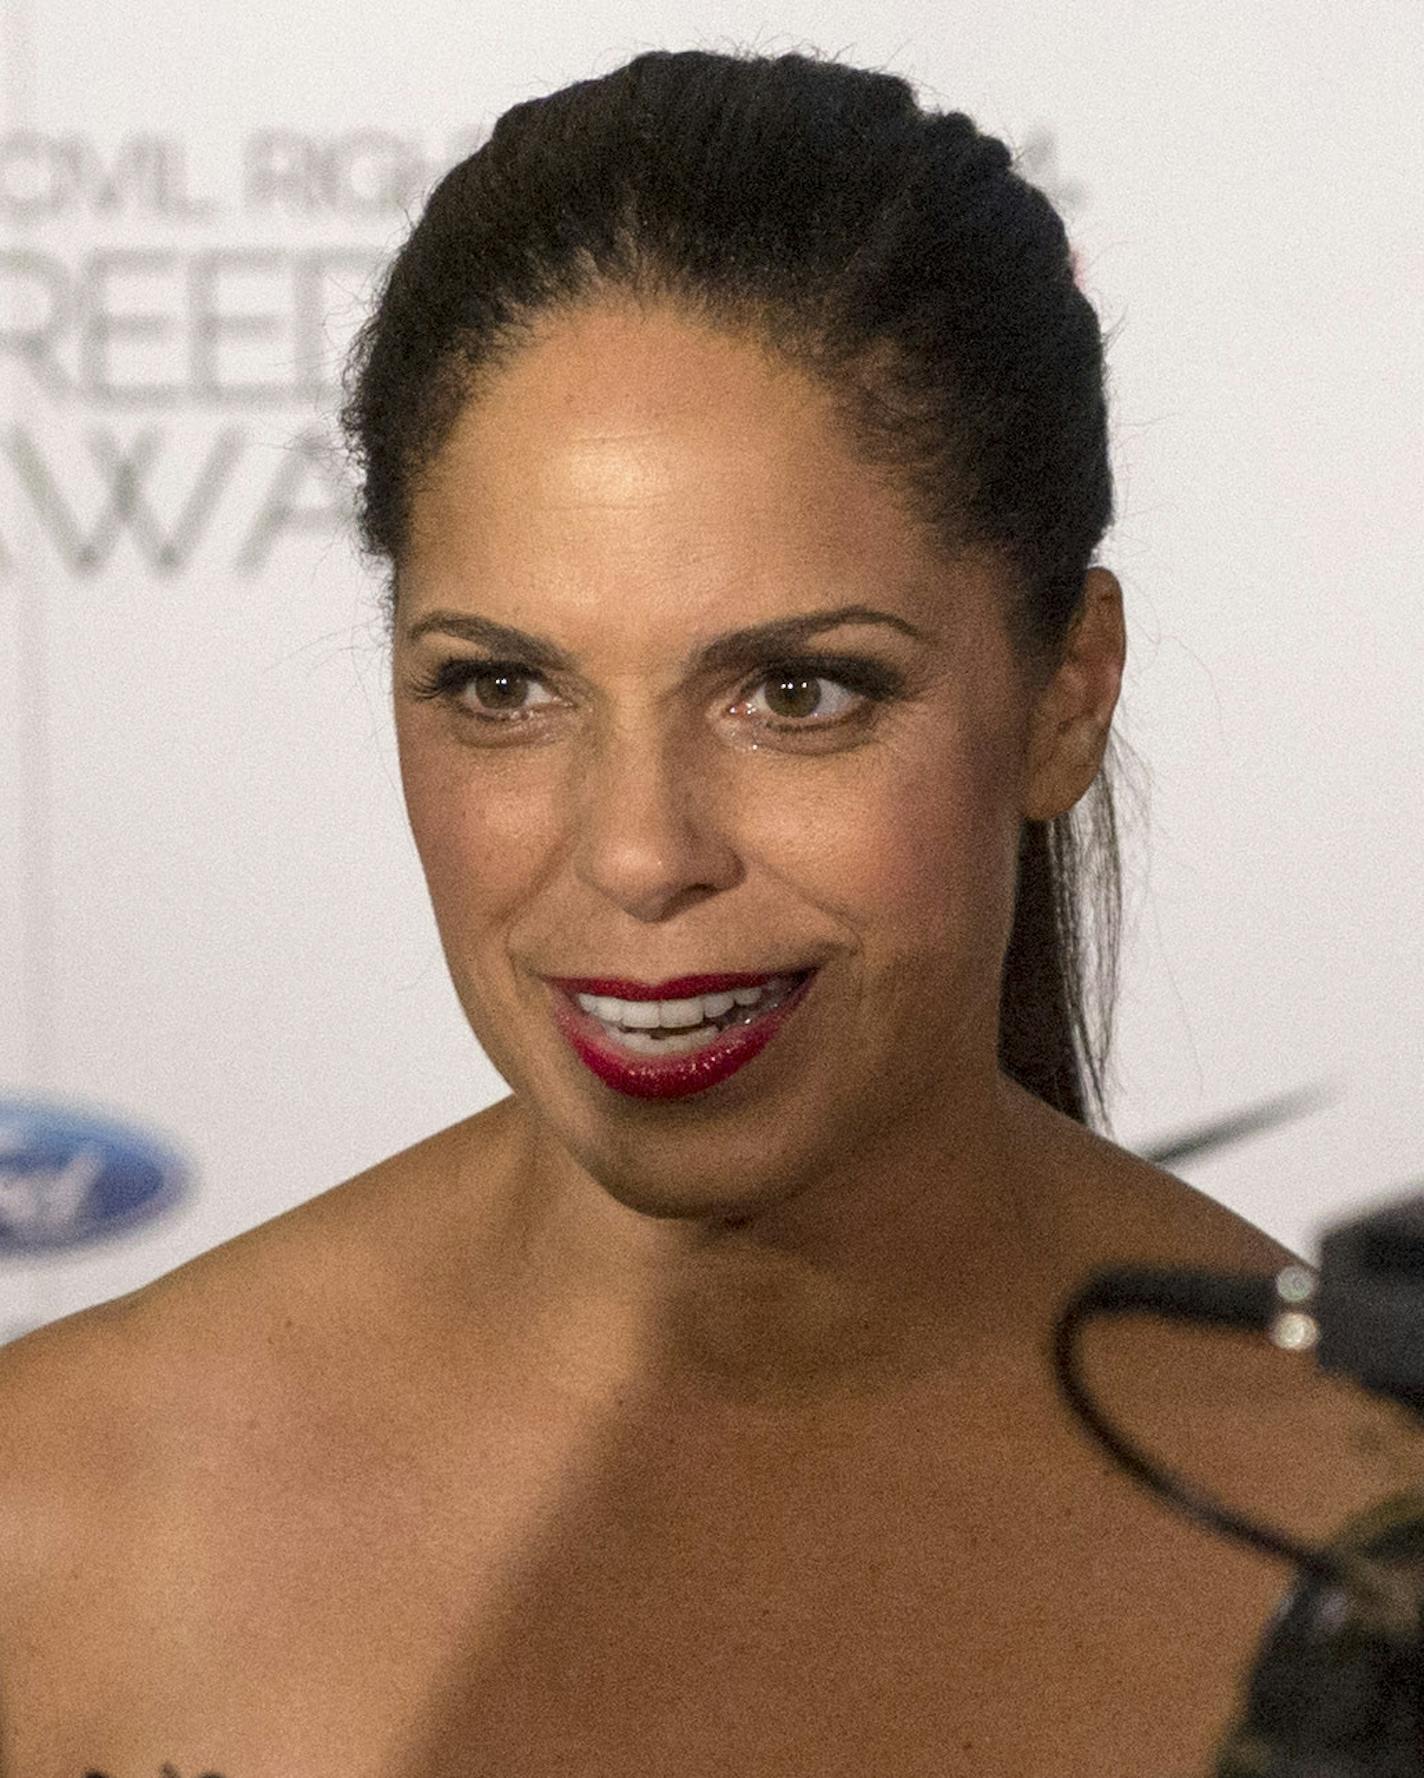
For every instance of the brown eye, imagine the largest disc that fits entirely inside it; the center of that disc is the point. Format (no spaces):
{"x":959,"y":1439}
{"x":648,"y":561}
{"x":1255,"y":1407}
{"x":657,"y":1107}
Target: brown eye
{"x":795,"y":696}
{"x":499,"y":686}
{"x":501,"y":678}
{"x":795,"y":699}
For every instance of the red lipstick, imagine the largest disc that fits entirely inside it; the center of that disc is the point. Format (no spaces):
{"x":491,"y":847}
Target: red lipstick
{"x":674,"y":1076}
{"x":681,"y":987}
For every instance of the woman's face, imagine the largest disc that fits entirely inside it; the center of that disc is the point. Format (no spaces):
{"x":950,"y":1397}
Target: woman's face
{"x":631,"y":490}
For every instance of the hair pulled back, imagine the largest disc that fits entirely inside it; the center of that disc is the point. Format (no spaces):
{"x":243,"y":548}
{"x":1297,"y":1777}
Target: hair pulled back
{"x":890,"y":253}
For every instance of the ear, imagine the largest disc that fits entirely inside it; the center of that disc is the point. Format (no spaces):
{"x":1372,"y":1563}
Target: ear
{"x":1072,"y":716}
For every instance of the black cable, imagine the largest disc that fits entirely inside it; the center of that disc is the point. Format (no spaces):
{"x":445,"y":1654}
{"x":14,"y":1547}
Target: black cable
{"x":1245,"y":1301}
{"x":1337,"y":1686}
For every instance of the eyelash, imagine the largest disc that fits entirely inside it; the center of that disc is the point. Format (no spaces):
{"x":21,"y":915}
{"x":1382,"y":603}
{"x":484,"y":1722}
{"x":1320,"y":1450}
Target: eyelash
{"x":870,"y":679}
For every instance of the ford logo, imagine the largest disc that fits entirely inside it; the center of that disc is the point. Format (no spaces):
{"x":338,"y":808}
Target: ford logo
{"x":68,"y":1179}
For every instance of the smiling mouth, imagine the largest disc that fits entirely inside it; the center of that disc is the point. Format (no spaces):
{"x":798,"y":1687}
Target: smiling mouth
{"x":653,"y":1039}
{"x":686,"y":987}
{"x":723,"y":1037}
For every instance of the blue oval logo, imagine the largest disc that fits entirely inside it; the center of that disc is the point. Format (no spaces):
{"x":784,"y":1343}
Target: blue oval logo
{"x":68,"y":1179}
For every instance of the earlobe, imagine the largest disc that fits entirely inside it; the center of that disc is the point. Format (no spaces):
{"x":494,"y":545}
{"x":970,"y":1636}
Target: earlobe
{"x":1069,"y":730}
{"x":1069,"y":759}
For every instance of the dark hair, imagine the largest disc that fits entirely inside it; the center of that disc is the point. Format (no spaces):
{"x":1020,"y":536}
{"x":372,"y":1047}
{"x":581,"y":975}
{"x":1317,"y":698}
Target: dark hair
{"x":889,"y":252}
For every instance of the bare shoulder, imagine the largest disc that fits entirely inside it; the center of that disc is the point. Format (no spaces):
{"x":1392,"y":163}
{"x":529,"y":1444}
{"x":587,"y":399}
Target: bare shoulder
{"x":105,"y":1408}
{"x":64,"y":1401}
{"x":76,"y":1405}
{"x":1261,"y":1429}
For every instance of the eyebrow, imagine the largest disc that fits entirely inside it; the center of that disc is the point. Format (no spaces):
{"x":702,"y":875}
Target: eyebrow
{"x":733,"y":649}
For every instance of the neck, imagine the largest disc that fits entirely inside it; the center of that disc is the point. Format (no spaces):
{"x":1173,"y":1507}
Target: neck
{"x":854,"y":1282}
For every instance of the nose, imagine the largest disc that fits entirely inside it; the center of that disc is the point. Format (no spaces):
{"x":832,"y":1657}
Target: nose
{"x":651,"y":821}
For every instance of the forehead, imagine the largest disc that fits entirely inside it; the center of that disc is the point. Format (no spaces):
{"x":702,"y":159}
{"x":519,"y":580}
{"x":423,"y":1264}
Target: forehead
{"x":613,"y":415}
{"x":627,"y":462}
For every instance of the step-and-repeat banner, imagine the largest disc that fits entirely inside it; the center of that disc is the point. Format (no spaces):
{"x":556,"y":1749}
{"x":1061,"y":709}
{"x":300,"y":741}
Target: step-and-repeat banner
{"x":221,"y":990}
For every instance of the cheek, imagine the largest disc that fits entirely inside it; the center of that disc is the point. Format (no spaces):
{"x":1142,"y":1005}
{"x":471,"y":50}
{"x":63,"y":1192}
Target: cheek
{"x":474,"y":860}
{"x":927,"y":855}
{"x":920,"y":845}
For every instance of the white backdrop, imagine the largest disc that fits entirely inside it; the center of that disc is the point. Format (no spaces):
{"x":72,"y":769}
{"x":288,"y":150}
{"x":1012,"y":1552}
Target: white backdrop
{"x":214,"y":934}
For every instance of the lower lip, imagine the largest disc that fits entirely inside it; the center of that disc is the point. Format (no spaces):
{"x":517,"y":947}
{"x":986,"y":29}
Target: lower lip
{"x":673,"y":1077}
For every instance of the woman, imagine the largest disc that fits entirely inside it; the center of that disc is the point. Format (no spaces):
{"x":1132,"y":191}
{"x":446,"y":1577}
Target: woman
{"x":734,"y":434}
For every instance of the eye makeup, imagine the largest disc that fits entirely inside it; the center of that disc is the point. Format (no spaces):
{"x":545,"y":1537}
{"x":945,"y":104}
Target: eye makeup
{"x":873,"y":680}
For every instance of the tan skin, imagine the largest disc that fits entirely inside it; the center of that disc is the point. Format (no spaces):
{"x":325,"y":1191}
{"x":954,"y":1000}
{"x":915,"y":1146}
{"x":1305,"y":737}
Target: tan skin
{"x":701,"y":1436}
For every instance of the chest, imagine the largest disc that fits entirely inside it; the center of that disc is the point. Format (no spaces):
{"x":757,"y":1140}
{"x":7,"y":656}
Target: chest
{"x":556,"y":1595}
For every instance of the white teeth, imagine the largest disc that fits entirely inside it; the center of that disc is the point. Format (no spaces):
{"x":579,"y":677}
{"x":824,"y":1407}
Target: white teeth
{"x":677,"y":1015}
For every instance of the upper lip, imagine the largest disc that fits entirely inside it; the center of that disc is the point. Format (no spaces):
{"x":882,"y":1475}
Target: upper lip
{"x":681,"y":987}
